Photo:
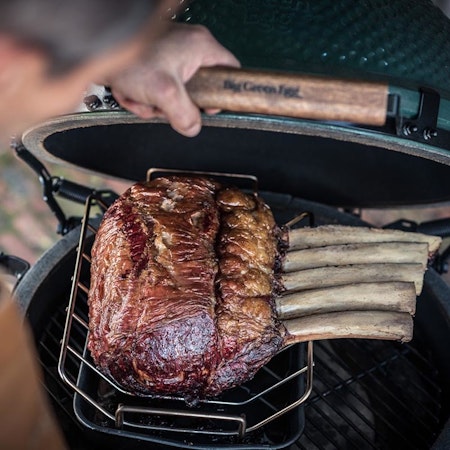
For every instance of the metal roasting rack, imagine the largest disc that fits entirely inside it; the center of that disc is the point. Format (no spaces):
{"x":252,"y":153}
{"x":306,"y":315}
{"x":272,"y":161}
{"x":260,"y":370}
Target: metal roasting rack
{"x":250,"y":180}
{"x":144,"y":414}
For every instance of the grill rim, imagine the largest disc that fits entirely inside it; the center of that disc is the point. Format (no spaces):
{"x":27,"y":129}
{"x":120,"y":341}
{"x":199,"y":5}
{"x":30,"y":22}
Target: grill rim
{"x":58,"y":140}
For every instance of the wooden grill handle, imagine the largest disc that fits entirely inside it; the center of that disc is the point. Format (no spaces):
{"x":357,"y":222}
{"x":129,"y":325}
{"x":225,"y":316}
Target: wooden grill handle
{"x":291,"y":95}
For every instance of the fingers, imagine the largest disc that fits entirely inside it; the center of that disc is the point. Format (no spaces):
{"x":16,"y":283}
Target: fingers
{"x":167,"y":98}
{"x":182,"y":113}
{"x":140,"y":109}
{"x":155,"y":86}
{"x":172,"y":99}
{"x":211,"y":111}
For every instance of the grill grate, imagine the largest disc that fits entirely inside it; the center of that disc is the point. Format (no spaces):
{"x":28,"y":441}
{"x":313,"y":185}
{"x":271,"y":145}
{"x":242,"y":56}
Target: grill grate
{"x":366,"y":394}
{"x":372,"y":394}
{"x":355,"y":403}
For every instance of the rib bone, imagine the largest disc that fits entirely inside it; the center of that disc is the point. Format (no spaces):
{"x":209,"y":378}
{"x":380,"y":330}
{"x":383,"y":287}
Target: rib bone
{"x":360,"y":253}
{"x":359,"y":273}
{"x":350,"y":324}
{"x":390,"y":296}
{"x":340,"y":234}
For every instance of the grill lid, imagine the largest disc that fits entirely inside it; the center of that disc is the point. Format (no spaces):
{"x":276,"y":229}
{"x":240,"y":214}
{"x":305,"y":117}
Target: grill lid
{"x":403,"y":43}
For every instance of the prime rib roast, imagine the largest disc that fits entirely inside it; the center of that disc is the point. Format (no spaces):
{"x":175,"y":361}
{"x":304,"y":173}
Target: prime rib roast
{"x":185,"y":277}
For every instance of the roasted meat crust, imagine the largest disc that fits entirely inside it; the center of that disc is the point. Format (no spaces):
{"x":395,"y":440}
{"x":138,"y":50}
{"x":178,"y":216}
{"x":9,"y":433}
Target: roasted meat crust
{"x":248,"y":329}
{"x":182,"y":285}
{"x":152,"y":295}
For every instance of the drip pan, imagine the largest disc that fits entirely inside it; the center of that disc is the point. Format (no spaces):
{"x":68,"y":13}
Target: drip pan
{"x":165,"y":421}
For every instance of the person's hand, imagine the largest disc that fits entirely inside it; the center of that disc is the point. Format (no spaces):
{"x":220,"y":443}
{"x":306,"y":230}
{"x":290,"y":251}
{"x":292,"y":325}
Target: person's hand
{"x":155,"y":87}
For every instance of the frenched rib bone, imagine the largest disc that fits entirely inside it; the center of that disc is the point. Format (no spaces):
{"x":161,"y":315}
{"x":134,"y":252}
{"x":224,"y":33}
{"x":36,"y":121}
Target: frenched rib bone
{"x":358,"y":253}
{"x":355,"y":273}
{"x":341,"y":234}
{"x":389,"y":296}
{"x":351,"y":324}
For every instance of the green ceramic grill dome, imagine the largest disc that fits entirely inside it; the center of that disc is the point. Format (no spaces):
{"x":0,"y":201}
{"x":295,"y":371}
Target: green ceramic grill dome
{"x":406,"y":42}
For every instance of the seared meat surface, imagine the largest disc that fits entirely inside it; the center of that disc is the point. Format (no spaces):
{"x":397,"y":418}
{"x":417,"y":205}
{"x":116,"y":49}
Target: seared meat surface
{"x":248,"y":331}
{"x":182,"y":285}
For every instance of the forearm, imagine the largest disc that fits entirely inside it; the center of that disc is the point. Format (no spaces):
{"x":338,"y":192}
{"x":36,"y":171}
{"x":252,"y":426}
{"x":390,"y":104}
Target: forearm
{"x":27,"y":420}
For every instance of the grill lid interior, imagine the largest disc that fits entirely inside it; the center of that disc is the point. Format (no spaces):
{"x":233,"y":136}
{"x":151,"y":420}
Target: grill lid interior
{"x":331,"y":164}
